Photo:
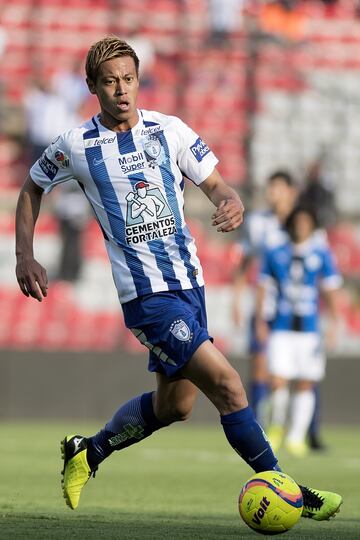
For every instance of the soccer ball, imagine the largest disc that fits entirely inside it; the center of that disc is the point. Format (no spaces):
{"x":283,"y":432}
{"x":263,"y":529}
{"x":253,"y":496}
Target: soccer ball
{"x":270,"y":502}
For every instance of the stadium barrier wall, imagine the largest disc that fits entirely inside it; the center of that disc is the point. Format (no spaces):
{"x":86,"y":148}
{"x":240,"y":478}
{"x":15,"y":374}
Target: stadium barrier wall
{"x":87,"y":386}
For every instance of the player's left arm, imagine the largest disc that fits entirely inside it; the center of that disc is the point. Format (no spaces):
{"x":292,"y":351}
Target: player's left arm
{"x":229,"y":212}
{"x":331,"y":298}
{"x":330,"y":286}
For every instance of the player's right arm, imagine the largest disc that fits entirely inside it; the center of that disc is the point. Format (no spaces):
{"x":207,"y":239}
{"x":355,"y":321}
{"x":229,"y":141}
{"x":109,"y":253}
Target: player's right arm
{"x":261,"y":326}
{"x":31,"y":276}
{"x":239,"y":286}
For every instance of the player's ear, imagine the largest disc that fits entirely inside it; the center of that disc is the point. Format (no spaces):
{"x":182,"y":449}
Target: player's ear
{"x":91,"y":86}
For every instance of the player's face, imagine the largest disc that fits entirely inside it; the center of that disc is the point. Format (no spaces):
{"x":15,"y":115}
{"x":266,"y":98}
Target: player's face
{"x":117,"y":88}
{"x":303,"y":227}
{"x":279,"y":192}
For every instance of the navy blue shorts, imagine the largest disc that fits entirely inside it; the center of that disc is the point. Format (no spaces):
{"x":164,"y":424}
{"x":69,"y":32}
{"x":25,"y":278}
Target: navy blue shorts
{"x":172,"y":325}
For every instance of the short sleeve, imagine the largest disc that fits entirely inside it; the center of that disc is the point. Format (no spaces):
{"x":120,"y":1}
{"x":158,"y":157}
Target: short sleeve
{"x":195,"y":159}
{"x":55,"y":165}
{"x":330,"y":277}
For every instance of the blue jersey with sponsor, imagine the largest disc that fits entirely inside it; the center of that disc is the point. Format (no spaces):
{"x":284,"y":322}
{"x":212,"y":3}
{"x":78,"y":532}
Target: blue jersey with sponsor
{"x":134,"y":181}
{"x":298,"y":273}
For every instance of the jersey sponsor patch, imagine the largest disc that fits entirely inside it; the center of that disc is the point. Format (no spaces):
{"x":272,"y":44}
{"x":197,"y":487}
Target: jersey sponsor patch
{"x":148,"y":215}
{"x":48,"y":167}
{"x":62,"y":159}
{"x":99,"y":141}
{"x":199,"y":149}
{"x":132,"y":162}
{"x":150,"y":130}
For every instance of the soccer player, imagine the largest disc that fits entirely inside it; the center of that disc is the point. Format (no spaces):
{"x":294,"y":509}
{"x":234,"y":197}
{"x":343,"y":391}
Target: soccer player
{"x":259,"y":229}
{"x":156,"y":271}
{"x":298,"y":269}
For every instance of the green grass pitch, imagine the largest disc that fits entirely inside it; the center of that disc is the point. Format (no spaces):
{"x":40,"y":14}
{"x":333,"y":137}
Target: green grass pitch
{"x":181,"y":483}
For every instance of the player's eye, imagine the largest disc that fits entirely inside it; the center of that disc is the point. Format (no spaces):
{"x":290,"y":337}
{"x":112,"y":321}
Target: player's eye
{"x":129,"y":79}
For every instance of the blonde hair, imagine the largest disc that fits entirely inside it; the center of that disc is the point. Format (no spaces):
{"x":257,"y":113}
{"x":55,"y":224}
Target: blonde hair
{"x":106,"y":49}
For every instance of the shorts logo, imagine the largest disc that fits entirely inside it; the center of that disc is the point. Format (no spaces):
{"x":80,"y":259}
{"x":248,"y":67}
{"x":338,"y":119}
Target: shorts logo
{"x":199,"y":149}
{"x":181,"y":330}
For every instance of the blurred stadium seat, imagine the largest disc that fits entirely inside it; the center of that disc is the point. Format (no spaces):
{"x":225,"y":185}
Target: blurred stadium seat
{"x":306,"y":84}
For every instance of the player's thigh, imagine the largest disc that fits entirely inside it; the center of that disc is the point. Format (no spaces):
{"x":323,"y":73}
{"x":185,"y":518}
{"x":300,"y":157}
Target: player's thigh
{"x":211,"y":372}
{"x":174,"y":399}
{"x":311,"y":358}
{"x":282,"y":355}
{"x":277,"y":382}
{"x":304,"y":385}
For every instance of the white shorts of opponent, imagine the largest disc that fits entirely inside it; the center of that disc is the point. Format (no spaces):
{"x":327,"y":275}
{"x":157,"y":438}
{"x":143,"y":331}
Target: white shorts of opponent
{"x":296,"y":356}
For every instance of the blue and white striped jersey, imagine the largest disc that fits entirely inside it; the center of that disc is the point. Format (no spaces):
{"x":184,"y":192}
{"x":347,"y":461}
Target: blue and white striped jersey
{"x":297,"y":274}
{"x":261,"y":228}
{"x":134,"y":183}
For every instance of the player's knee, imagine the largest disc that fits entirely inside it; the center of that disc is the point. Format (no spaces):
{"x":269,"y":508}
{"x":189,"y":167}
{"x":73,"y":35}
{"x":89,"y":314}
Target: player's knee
{"x":181,"y":413}
{"x":175,"y":412}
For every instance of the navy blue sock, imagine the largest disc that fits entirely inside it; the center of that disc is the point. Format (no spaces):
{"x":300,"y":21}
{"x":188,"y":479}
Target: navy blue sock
{"x":314,"y":424}
{"x":248,"y":440}
{"x":132,"y":422}
{"x":258,"y":393}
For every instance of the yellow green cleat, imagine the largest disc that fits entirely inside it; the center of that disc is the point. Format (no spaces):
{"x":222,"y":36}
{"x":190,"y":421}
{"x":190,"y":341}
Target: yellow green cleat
{"x":297,"y":449}
{"x":76,"y":471}
{"x":320,"y":505}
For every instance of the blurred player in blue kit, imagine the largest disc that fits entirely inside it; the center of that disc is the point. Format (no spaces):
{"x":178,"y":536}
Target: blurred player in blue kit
{"x":154,"y":264}
{"x":262,"y":228}
{"x":299,"y":269}
{"x":257,"y":231}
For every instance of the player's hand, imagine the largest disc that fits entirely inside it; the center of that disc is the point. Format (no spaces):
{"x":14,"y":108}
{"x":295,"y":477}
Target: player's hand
{"x":236,"y":314}
{"x":32,"y":278}
{"x":228,"y":216}
{"x":261,"y":330}
{"x":331,"y":337}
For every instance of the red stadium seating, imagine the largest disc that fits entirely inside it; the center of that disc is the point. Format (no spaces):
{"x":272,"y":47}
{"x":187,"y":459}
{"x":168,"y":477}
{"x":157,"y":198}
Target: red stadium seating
{"x":193,"y":78}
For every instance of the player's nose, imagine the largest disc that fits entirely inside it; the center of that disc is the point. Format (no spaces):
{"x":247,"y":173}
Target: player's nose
{"x":120,"y":89}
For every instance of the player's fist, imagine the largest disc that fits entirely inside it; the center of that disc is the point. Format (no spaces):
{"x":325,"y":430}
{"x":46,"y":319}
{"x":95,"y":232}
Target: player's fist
{"x":229,"y":215}
{"x":32,"y":278}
